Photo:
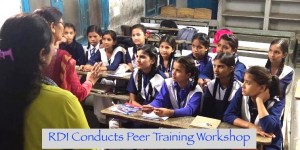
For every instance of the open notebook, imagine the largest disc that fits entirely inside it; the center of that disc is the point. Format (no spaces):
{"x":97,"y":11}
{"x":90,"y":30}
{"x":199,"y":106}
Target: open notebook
{"x":205,"y":122}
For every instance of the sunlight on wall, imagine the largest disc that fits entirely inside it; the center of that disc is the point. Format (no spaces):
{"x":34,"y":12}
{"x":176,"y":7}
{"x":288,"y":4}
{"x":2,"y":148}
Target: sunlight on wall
{"x":8,"y":9}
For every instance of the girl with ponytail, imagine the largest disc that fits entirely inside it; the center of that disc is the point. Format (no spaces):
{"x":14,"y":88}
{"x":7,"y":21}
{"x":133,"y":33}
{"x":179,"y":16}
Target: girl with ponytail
{"x":221,"y":89}
{"x":146,"y":80}
{"x":257,"y":105}
{"x":179,"y":95}
{"x":275,"y":64}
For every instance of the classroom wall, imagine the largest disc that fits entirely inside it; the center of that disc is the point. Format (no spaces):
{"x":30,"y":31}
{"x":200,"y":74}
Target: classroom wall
{"x":124,"y":12}
{"x":8,"y":8}
{"x":181,"y":3}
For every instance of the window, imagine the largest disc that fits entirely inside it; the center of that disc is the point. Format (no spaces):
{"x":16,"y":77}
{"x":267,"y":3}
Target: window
{"x":153,"y":6}
{"x":77,"y":12}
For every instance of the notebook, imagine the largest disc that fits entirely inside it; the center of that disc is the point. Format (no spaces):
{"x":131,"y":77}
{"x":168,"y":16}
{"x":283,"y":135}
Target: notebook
{"x":205,"y":122}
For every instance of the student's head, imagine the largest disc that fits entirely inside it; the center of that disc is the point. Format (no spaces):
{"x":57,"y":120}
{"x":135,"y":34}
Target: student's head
{"x":277,"y":53}
{"x":184,"y":69}
{"x":94,"y":35}
{"x":228,"y":43}
{"x":257,"y":79}
{"x":69,"y":32}
{"x":138,"y":34}
{"x":54,"y":18}
{"x":109,"y":39}
{"x":167,"y":46}
{"x":223,"y":65}
{"x":146,"y":58}
{"x":200,"y":45}
{"x":27,"y":46}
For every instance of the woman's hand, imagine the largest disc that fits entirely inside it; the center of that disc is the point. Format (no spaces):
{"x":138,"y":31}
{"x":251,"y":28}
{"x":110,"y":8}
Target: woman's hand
{"x":95,"y":73}
{"x":163,"y":112}
{"x":147,"y":108}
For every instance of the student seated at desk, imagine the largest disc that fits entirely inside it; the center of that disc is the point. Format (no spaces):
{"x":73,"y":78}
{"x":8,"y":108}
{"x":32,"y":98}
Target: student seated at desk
{"x":30,"y":101}
{"x":110,"y":56}
{"x":200,"y":45}
{"x":221,"y":89}
{"x":179,"y":95}
{"x":276,"y":58}
{"x":229,"y":44}
{"x":146,"y":80}
{"x":257,"y":105}
{"x":62,"y":67}
{"x":94,"y":35}
{"x":138,"y":35}
{"x":71,"y":45}
{"x":167,"y":46}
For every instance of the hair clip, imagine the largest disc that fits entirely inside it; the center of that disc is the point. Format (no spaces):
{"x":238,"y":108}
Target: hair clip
{"x":8,"y":52}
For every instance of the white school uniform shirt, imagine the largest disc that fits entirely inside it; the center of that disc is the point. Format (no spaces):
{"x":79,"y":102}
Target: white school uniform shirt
{"x":156,"y":82}
{"x":173,"y":93}
{"x":286,"y":70}
{"x":130,"y":51}
{"x":89,"y":50}
{"x":246,"y":115}
{"x":104,"y":59}
{"x":220,"y":93}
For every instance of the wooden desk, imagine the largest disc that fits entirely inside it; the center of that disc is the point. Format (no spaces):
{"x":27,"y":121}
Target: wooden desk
{"x":162,"y":28}
{"x":106,"y":74}
{"x":178,"y":122}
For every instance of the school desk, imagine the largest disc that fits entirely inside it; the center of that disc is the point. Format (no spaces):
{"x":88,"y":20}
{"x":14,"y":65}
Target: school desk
{"x":178,"y":122}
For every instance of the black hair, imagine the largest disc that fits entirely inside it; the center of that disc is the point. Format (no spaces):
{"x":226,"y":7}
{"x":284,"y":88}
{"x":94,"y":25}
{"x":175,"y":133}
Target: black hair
{"x":189,"y":64}
{"x":139,"y":26}
{"x":229,"y":61}
{"x":93,"y":28}
{"x":172,"y":42}
{"x":51,"y":14}
{"x":204,"y":40}
{"x":232,"y":40}
{"x":151,"y":51}
{"x":263,"y":77}
{"x":20,"y":78}
{"x":113,"y":36}
{"x":284,"y":47}
{"x":70,"y":25}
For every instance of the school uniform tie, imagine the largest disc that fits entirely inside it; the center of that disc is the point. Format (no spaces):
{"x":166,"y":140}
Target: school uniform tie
{"x":93,"y":51}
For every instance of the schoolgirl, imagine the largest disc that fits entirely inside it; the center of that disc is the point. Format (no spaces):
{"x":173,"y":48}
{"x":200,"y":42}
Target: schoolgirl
{"x":94,"y":35}
{"x":221,"y":89}
{"x":71,"y":45}
{"x":146,"y":80}
{"x":200,"y":45}
{"x":276,"y":58}
{"x":167,"y":46}
{"x":111,"y":55}
{"x":257,"y":105}
{"x":229,"y":44}
{"x":179,"y":95}
{"x":138,"y":36}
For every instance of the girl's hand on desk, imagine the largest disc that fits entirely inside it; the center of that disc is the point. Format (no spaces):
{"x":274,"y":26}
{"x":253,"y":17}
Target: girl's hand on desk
{"x":163,"y":112}
{"x":87,"y":67}
{"x":259,"y":131}
{"x":147,"y":108}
